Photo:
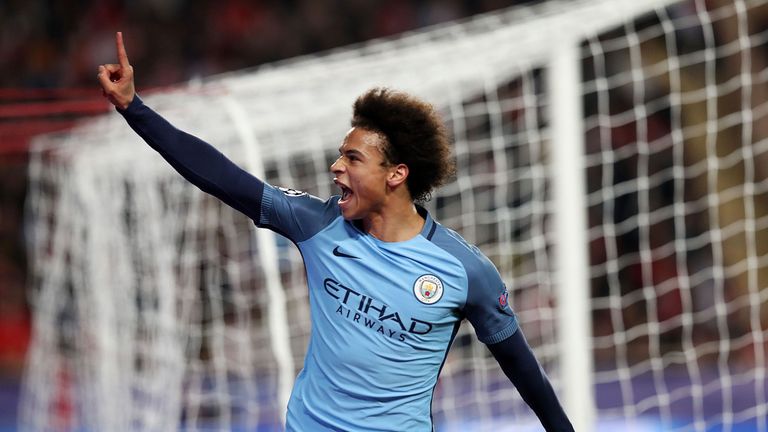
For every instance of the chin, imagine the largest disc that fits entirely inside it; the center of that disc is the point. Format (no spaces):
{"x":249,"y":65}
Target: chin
{"x":346,"y":213}
{"x":349,"y":216}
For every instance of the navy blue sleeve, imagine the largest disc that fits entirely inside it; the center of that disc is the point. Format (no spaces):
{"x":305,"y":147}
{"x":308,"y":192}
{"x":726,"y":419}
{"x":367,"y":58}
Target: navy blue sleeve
{"x":487,"y":307}
{"x":521,"y":367}
{"x":196,"y":160}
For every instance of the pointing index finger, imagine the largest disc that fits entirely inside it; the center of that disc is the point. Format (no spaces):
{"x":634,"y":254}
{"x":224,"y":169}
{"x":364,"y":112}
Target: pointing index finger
{"x":122,"y":57}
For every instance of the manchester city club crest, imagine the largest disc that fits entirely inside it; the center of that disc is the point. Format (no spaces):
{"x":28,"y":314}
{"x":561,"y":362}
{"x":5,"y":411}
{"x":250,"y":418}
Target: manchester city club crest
{"x":428,"y":289}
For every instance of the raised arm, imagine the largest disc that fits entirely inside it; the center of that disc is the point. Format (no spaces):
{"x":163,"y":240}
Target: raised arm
{"x":196,"y":160}
{"x":521,"y":367}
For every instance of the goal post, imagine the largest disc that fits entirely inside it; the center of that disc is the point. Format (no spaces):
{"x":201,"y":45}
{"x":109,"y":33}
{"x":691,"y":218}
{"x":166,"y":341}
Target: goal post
{"x":610,"y":158}
{"x":569,"y":227}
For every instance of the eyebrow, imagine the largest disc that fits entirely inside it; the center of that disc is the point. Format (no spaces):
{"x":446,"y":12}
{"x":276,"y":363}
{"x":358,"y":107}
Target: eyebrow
{"x":351,"y":151}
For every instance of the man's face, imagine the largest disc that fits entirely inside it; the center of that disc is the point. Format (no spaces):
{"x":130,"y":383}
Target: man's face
{"x":361,"y":173}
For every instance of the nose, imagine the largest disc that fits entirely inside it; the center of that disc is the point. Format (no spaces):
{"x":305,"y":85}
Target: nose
{"x":337,"y":166}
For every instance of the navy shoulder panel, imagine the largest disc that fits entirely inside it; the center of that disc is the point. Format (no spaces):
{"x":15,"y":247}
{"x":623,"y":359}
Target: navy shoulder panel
{"x":487,"y":306}
{"x":296,"y":214}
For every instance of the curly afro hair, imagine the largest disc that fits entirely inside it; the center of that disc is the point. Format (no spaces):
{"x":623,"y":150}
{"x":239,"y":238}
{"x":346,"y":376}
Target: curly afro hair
{"x":415,"y":136}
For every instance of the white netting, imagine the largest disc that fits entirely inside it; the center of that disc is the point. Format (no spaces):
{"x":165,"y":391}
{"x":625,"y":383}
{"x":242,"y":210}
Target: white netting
{"x":157,"y":308}
{"x":677,"y":141}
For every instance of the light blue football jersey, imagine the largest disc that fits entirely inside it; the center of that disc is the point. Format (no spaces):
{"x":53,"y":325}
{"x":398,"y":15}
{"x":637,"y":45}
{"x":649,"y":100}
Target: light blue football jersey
{"x":383,"y":315}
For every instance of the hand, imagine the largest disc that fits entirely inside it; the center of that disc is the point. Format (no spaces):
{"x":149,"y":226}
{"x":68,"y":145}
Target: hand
{"x":117,"y":79}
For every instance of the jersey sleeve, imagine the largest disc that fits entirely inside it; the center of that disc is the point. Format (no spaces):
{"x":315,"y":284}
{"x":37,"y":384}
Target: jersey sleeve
{"x":197,"y":161}
{"x":487,"y":306}
{"x":294,"y":214}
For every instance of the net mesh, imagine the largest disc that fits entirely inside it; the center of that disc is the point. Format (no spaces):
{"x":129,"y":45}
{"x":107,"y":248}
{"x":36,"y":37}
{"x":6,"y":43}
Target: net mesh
{"x":676,"y":132}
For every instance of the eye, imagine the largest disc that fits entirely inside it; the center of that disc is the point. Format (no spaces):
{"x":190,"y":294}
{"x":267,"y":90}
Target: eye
{"x":351,"y":156}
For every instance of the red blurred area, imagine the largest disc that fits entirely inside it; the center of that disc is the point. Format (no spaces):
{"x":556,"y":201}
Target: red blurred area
{"x":25,"y":113}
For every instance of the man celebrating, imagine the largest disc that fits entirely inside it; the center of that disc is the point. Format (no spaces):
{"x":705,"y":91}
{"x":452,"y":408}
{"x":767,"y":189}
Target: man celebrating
{"x":388,"y":285}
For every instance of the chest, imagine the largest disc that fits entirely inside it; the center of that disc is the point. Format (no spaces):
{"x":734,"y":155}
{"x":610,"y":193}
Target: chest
{"x":401,"y":281}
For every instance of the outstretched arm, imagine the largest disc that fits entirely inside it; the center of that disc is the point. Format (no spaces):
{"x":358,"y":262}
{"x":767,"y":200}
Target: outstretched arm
{"x":196,"y":160}
{"x":521,"y":367}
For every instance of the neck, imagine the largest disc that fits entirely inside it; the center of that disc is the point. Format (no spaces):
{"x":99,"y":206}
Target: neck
{"x":394,"y":224}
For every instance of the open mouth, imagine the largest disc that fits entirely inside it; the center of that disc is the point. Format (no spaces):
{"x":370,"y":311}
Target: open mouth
{"x":346,"y":192}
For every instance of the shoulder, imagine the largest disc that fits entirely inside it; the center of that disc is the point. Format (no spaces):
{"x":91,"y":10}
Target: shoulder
{"x":479,"y":268}
{"x":486,"y":305}
{"x":295,"y":213}
{"x":297,"y":199}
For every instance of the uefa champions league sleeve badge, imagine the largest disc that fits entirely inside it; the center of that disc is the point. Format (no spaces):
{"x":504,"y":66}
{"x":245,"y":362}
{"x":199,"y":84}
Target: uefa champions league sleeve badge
{"x":428,"y":289}
{"x":504,"y":305}
{"x":291,"y":192}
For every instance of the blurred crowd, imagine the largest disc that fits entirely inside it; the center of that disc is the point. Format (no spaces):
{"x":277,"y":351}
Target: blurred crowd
{"x":58,"y":43}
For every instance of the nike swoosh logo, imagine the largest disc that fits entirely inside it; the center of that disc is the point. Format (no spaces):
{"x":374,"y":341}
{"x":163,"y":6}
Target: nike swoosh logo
{"x":337,"y":252}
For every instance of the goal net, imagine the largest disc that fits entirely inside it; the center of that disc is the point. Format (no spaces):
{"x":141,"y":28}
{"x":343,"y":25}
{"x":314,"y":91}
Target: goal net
{"x":158,"y":308}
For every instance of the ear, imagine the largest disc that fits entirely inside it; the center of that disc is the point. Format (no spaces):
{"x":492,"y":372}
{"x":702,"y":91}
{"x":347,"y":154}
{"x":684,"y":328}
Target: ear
{"x":398,"y":174}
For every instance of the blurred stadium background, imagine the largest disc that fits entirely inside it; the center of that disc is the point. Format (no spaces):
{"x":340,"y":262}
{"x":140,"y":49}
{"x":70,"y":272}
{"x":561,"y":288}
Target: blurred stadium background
{"x":643,"y":264}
